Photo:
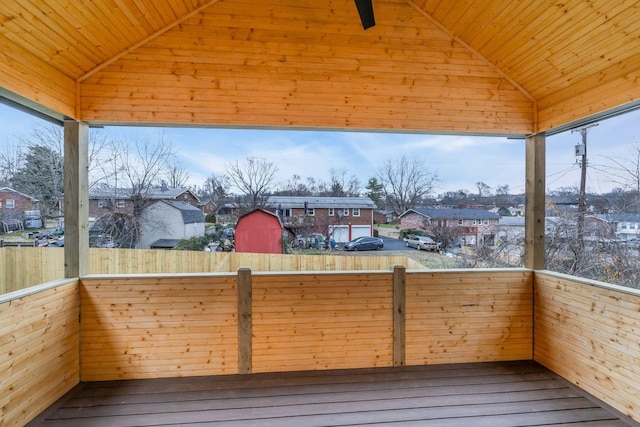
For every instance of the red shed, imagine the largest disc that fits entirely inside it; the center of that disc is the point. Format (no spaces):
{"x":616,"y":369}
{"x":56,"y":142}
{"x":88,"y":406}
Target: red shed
{"x":259,"y":231}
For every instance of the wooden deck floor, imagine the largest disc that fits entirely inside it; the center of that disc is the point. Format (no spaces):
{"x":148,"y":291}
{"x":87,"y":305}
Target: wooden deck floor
{"x":483,"y":394}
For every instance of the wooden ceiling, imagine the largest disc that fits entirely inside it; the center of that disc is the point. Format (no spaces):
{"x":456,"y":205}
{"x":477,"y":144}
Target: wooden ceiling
{"x":467,"y":66}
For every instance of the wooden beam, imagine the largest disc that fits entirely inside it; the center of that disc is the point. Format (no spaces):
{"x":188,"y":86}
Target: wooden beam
{"x":76,"y":199}
{"x":399,"y":315}
{"x":535,"y":202}
{"x":245,"y":355}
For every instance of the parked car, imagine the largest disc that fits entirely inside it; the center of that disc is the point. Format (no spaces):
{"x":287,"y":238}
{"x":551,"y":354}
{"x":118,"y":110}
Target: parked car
{"x":364,"y":244}
{"x":422,"y":243}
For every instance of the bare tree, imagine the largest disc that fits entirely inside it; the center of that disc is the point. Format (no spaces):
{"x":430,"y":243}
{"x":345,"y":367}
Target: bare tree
{"x":176,"y":175}
{"x":254,"y":179}
{"x":626,"y":172}
{"x":11,"y":158}
{"x":343,"y":186}
{"x":133,"y":169}
{"x":405,"y":182}
{"x":483,"y":189}
{"x":294,"y":186}
{"x":216,"y":188}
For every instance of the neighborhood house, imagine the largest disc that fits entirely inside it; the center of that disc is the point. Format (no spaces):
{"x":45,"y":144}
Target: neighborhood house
{"x":477,"y":227}
{"x":17,"y":211}
{"x":340,"y":218}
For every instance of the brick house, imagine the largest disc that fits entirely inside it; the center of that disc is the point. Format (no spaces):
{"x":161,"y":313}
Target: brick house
{"x":477,"y":226}
{"x":104,"y":201}
{"x":342,"y":218}
{"x":13,"y":204}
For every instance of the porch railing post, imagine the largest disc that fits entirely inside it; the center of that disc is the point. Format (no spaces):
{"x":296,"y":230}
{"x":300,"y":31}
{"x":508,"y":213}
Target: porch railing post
{"x":399,"y":315}
{"x":535,"y":202}
{"x":245,"y":355}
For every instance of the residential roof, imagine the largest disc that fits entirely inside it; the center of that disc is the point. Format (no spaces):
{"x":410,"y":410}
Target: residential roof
{"x":190,"y":214}
{"x":621,"y":217}
{"x":315,"y":202}
{"x":512,"y":221}
{"x":33,"y":199}
{"x":164,"y":243}
{"x":125,"y":193}
{"x":435,"y":213}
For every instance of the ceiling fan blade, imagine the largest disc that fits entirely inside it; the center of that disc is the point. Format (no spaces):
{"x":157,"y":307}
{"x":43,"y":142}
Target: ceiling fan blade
{"x":365,"y":9}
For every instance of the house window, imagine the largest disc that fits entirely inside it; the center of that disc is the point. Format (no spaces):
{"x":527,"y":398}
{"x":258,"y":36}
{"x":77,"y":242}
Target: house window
{"x":356,"y":211}
{"x":623,"y":226}
{"x":11,"y":204}
{"x":632,"y":226}
{"x":121,"y":203}
{"x":474,"y":222}
{"x":461,"y":222}
{"x":311,"y":211}
{"x":102,"y":203}
{"x":331,"y":212}
{"x":287,"y":213}
{"x":345,"y":212}
{"x":485,"y":222}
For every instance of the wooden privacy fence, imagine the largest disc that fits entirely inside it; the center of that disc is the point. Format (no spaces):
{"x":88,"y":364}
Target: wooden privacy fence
{"x":23,"y":267}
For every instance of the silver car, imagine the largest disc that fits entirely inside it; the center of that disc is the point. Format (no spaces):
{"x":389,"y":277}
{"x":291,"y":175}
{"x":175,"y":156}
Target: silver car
{"x":422,"y":243}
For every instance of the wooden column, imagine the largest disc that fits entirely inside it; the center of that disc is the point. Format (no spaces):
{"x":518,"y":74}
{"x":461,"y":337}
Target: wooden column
{"x":245,"y":355}
{"x":399,"y":315}
{"x":76,"y":199}
{"x":535,"y":202}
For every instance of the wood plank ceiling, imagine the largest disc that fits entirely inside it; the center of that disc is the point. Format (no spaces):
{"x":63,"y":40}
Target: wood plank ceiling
{"x":467,"y":66}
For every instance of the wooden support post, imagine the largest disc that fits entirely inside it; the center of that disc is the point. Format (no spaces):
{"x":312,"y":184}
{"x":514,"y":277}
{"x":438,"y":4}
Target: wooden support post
{"x":399,"y":315}
{"x":76,"y":199}
{"x":535,"y":202}
{"x":244,"y":321}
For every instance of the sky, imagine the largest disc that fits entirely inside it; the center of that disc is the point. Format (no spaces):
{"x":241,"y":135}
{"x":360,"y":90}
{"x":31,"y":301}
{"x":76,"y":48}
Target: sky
{"x":459,"y":161}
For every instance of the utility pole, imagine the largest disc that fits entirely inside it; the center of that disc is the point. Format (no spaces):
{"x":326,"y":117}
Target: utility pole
{"x":581,"y":151}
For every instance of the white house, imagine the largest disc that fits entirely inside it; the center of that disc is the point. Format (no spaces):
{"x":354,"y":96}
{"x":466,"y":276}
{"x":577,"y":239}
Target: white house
{"x":169,"y":221}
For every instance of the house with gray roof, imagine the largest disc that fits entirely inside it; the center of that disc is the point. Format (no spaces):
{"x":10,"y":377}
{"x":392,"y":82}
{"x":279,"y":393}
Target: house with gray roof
{"x":169,"y":220}
{"x":476,"y":226}
{"x":340,"y":218}
{"x":105,"y":200}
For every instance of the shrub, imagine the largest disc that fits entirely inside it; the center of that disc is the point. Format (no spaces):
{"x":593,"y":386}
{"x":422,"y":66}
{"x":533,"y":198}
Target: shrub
{"x":210,"y":218}
{"x":415,"y":231}
{"x":193,"y":244}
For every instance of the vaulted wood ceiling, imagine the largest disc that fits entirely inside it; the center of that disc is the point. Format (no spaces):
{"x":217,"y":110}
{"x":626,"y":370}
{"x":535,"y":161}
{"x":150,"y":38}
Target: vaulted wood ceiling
{"x":467,"y":66}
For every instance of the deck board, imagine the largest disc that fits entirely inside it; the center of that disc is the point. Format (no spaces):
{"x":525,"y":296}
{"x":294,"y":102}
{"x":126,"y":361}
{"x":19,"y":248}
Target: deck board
{"x":483,"y":394}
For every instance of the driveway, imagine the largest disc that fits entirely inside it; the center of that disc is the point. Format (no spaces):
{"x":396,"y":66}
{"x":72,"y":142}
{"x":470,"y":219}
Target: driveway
{"x":391,"y":244}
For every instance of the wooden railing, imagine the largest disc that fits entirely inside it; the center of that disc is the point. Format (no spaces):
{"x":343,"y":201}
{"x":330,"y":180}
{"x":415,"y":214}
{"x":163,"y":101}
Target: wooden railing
{"x":140,"y":327}
{"x":39,"y":349}
{"x":24,"y":267}
{"x":589,"y":333}
{"x":146,"y":326}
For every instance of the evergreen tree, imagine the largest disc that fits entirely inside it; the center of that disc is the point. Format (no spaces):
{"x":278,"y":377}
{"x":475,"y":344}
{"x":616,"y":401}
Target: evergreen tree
{"x":41,"y":176}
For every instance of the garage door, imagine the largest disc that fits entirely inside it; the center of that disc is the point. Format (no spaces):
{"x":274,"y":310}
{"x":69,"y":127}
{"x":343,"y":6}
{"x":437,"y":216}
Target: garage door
{"x":360,"y":230}
{"x":340,"y":233}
